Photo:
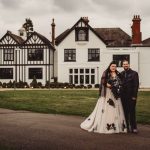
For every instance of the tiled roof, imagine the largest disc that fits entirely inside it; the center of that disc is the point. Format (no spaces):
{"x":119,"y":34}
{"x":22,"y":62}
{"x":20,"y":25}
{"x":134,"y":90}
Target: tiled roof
{"x":61,"y":36}
{"x":146,"y":42}
{"x":17,"y":38}
{"x":43,"y":38}
{"x":114,"y":37}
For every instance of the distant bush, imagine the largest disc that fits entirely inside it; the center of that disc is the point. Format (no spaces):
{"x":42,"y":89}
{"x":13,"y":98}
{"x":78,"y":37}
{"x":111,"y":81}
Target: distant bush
{"x":9,"y":84}
{"x":34,"y":83}
{"x":89,"y":86}
{"x":58,"y":85}
{"x":4,"y":85}
{"x":39,"y":84}
{"x":1,"y":84}
{"x":97,"y":85}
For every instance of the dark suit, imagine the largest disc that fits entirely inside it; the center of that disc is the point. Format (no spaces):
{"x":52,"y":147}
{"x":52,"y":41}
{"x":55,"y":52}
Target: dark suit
{"x":130,"y":85}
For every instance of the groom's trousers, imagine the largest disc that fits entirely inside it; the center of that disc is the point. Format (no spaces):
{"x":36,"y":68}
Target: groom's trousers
{"x":130,"y":112}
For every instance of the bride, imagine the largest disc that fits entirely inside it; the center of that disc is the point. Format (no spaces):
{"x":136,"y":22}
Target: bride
{"x":107,"y":116}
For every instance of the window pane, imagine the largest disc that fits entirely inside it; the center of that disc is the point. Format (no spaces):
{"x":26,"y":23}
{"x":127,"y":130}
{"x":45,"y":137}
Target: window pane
{"x":81,"y":70}
{"x":8,"y":54}
{"x":81,"y":79}
{"x":35,"y":72}
{"x":92,"y":70}
{"x":87,"y":79}
{"x":6,"y":73}
{"x":92,"y":79}
{"x":120,"y":58}
{"x":93,"y":54}
{"x":35,"y":55}
{"x":76,"y":79}
{"x":71,"y":79}
{"x":81,"y":34}
{"x":70,"y":70}
{"x":75,"y":70}
{"x":69,"y":55}
{"x":87,"y":70}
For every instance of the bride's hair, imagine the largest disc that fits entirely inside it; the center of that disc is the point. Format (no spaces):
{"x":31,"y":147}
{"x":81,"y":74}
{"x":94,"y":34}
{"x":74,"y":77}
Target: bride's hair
{"x":105,"y":77}
{"x":108,"y":71}
{"x":112,"y":63}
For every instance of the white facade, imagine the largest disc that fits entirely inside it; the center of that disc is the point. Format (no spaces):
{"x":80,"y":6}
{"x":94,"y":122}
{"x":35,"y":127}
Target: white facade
{"x":139,"y":59}
{"x":144,"y":66}
{"x":81,"y":56}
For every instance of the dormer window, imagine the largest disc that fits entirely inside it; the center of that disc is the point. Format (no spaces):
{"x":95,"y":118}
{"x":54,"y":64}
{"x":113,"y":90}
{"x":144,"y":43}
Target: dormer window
{"x":81,"y":34}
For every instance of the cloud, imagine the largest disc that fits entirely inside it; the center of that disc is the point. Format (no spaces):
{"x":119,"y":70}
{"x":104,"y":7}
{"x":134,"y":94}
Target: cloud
{"x":73,"y":5}
{"x":102,"y":13}
{"x":11,"y":3}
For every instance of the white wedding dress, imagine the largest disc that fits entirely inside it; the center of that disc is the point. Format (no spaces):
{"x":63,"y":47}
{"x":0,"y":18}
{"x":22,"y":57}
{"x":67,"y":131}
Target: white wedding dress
{"x":107,"y":116}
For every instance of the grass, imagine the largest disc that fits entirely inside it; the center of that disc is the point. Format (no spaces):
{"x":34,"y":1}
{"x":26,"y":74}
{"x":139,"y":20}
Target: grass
{"x":69,"y":102}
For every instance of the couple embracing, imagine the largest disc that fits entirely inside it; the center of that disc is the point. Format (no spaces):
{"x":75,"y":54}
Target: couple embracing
{"x":115,"y":109}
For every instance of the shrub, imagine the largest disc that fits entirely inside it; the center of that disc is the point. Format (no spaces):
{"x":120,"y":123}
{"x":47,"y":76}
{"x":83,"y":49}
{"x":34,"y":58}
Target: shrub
{"x":25,"y":85}
{"x":85,"y":87}
{"x":20,"y":84}
{"x":71,"y":86}
{"x":47,"y":84}
{"x":39,"y":84}
{"x":9,"y":84}
{"x":79,"y":86}
{"x":97,"y":85}
{"x":4,"y":85}
{"x":89,"y":86}
{"x":34,"y":83}
{"x":55,"y":79}
{"x":1,"y":84}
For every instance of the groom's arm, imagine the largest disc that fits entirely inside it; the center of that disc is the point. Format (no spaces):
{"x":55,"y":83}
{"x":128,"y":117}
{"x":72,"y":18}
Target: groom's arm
{"x":136,"y":85}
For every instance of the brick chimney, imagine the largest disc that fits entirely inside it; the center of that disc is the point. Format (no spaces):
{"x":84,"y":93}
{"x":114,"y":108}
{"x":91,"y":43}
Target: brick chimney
{"x":86,"y":19}
{"x":53,"y":32}
{"x":136,"y":33}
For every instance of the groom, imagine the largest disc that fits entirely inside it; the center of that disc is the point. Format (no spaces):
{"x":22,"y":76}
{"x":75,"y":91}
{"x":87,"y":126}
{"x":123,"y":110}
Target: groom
{"x":130,"y":81}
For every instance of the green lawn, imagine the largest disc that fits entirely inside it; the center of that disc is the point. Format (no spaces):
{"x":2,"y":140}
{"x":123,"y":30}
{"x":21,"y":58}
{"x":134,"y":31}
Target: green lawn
{"x":70,"y":102}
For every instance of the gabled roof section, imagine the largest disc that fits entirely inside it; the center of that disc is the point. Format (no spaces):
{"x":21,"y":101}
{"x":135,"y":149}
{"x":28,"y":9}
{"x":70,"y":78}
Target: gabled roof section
{"x":146,"y":42}
{"x":16,"y":38}
{"x":41,"y":37}
{"x":63,"y":35}
{"x":114,"y":37}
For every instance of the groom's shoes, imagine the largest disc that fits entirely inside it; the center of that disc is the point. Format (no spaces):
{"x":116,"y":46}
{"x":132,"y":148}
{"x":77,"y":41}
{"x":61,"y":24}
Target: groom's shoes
{"x":128,"y":131}
{"x":135,"y":131}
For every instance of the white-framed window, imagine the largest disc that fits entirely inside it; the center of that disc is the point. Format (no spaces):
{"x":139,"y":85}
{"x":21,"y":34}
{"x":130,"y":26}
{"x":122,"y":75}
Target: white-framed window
{"x":81,"y":34}
{"x":69,"y":55}
{"x":8,"y":54}
{"x":82,"y":76}
{"x":93,"y":54}
{"x":119,"y":58}
{"x":36,"y":72}
{"x":6,"y":73}
{"x":35,"y":55}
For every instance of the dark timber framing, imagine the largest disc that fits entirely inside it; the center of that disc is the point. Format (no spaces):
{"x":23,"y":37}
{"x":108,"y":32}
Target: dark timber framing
{"x":20,"y":61}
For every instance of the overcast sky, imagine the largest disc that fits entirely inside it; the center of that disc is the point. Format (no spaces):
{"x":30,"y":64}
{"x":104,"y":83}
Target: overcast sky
{"x":101,"y":13}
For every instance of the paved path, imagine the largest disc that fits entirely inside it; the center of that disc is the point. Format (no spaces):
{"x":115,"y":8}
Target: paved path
{"x":23,"y":130}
